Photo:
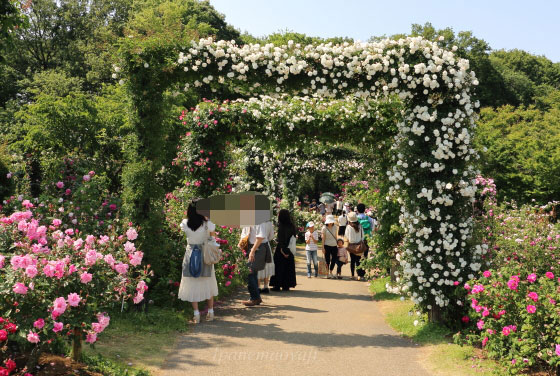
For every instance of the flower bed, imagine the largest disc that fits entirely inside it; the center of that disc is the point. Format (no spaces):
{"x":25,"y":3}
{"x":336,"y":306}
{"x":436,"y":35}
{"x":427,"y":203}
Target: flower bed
{"x":514,"y":306}
{"x":58,"y":282}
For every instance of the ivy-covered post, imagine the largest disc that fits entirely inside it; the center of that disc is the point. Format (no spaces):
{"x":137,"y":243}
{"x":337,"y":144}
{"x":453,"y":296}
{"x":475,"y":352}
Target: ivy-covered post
{"x":145,"y":77}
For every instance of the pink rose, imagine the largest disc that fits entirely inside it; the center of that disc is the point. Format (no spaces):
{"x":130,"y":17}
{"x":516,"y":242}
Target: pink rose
{"x":480,"y":324}
{"x":549,"y":275}
{"x":142,"y":287}
{"x":121,"y":268}
{"x":136,"y":258}
{"x":531,"y":309}
{"x":85,"y":277}
{"x":60,"y":185}
{"x":532,"y":277}
{"x":129,"y":247}
{"x":506,"y":330}
{"x":487,"y":274}
{"x":2,"y":258}
{"x":131,"y":234}
{"x":484,"y":341}
{"x":58,"y":326}
{"x":3,"y":335}
{"x":138,"y":298}
{"x":91,"y":337}
{"x":20,"y":288}
{"x":74,"y":299}
{"x":86,"y":178}
{"x":477,"y":288}
{"x":557,"y":350}
{"x":31,"y":271}
{"x":512,"y":284}
{"x":59,"y":306}
{"x":39,"y":324}
{"x":56,"y":222}
{"x":33,"y":337}
{"x":533,"y":295}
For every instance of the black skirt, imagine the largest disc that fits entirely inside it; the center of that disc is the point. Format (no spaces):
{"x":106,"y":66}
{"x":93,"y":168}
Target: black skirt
{"x":285,"y":270}
{"x":341,"y":230}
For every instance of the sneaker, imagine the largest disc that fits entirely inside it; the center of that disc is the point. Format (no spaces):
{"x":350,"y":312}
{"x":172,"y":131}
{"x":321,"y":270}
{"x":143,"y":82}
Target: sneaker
{"x":339,"y":276}
{"x":309,"y":276}
{"x":196,"y":319}
{"x":251,"y":303}
{"x":329,"y":276}
{"x":210,"y":316}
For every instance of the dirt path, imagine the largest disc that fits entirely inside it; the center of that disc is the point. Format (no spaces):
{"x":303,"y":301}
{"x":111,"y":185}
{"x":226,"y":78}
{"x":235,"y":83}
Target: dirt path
{"x":323,"y":327}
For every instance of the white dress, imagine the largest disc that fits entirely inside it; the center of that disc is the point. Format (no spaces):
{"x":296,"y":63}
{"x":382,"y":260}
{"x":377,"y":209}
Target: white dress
{"x":201,"y":288}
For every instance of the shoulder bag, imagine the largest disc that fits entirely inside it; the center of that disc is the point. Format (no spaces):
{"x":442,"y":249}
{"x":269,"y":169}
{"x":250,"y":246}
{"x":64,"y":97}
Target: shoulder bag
{"x":211,"y":250}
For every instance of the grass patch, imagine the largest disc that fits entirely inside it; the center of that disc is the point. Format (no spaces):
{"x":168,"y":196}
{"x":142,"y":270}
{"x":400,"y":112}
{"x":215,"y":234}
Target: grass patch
{"x":139,"y":339}
{"x":441,"y":355}
{"x":377,"y":288}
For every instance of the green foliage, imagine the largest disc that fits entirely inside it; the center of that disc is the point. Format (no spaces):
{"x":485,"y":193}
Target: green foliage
{"x":108,"y":367}
{"x":521,"y":151}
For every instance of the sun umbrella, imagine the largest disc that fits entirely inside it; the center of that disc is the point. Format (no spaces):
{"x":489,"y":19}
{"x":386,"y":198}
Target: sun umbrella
{"x":328,"y":194}
{"x":327,"y":199}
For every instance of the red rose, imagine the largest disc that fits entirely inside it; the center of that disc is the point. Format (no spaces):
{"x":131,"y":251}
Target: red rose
{"x":3,"y":335}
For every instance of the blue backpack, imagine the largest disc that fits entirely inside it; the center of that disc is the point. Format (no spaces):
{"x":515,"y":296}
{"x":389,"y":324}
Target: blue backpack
{"x":195,"y":262}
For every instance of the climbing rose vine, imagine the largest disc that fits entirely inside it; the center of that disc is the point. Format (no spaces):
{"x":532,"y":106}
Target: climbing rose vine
{"x":432,"y":175}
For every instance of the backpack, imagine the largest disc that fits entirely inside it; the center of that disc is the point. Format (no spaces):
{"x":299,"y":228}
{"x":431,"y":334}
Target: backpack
{"x":366,"y":226}
{"x":195,"y":262}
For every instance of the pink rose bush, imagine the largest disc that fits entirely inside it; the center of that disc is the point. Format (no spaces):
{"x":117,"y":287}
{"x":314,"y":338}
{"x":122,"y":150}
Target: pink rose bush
{"x":55,"y":280}
{"x":515,"y":302}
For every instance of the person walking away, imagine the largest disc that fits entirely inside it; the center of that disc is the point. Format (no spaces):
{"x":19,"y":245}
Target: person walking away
{"x":322,"y":209}
{"x":311,"y":240}
{"x":268,"y":271}
{"x":284,"y":260}
{"x":329,"y":208}
{"x":342,"y":257}
{"x":342,"y":222}
{"x":258,"y":246}
{"x":339,"y":206}
{"x":330,"y":251}
{"x":205,"y":287}
{"x":353,"y":235}
{"x":368,"y":226}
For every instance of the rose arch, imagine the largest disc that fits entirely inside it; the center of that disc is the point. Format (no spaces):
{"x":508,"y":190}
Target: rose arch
{"x":408,"y":99}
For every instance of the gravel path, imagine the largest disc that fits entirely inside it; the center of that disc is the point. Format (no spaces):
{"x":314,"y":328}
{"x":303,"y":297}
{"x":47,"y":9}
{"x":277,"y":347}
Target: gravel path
{"x":323,"y":327}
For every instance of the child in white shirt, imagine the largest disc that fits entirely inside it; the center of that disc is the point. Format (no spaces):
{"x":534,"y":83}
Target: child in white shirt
{"x":311,"y":240}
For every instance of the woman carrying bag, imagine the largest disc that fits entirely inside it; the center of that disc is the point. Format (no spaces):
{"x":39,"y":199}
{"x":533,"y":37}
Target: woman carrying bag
{"x":205,"y":286}
{"x":353,"y":237}
{"x":330,"y":250}
{"x":284,"y":260}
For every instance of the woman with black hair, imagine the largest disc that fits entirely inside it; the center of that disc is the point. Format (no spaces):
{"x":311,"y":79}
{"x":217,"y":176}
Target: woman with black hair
{"x":205,"y":287}
{"x":285,"y":267}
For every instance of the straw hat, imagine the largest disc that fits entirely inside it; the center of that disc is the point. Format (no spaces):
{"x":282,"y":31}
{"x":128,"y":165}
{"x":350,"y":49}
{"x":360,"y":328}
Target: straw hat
{"x":352,"y":217}
{"x":329,"y":219}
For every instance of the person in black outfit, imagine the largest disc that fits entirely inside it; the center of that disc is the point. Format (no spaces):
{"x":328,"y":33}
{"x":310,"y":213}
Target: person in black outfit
{"x":285,"y":267}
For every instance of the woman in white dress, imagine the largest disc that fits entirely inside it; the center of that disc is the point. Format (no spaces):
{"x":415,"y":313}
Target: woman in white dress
{"x":204,"y":287}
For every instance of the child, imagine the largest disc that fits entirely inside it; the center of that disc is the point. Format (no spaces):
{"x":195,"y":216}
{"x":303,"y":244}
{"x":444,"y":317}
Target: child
{"x":342,"y":256}
{"x":311,"y":240}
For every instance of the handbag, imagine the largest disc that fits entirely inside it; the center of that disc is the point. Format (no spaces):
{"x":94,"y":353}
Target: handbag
{"x":244,"y":242}
{"x":211,"y":250}
{"x":323,"y":268}
{"x":358,"y":248}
